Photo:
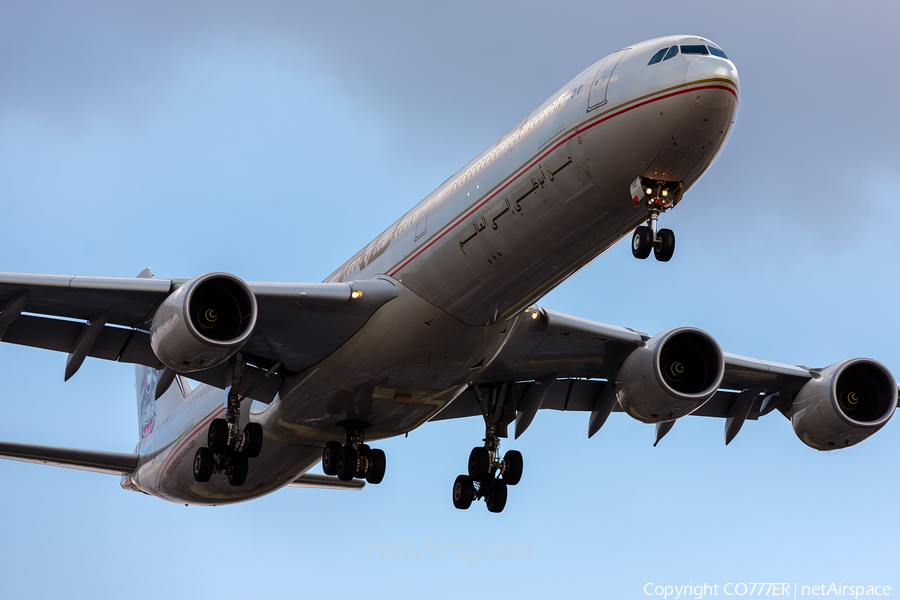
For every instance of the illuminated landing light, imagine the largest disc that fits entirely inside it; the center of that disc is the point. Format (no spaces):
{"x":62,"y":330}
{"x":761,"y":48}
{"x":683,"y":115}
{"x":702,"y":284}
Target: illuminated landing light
{"x":356,"y":294}
{"x":665,"y":192}
{"x":534,"y":315}
{"x":649,"y":191}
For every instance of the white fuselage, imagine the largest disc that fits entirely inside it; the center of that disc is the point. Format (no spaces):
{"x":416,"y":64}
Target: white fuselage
{"x":543,"y":201}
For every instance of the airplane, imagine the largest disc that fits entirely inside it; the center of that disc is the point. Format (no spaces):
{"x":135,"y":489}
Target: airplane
{"x":437,"y":318}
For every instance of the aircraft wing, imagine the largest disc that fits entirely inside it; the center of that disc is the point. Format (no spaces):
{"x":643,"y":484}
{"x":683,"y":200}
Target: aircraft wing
{"x":298,"y":324}
{"x":561,"y":362}
{"x":112,"y":463}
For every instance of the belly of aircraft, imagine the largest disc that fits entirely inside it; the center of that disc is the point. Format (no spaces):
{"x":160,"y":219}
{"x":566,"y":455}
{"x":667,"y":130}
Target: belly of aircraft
{"x":406,"y":363}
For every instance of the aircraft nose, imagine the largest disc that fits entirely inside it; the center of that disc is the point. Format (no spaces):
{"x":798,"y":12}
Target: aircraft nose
{"x":714,"y":70}
{"x":702,"y":68}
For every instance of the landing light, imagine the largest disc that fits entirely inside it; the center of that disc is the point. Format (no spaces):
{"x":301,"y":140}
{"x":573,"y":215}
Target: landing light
{"x":665,"y":192}
{"x":649,"y":191}
{"x":534,"y":315}
{"x":356,"y":294}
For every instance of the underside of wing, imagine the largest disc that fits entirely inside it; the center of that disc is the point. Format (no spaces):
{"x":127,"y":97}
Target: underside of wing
{"x":293,"y":326}
{"x":560,"y":362}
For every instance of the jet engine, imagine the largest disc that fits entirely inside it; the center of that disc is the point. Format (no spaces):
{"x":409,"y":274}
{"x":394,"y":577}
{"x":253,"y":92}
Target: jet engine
{"x":850,"y":401}
{"x":203,"y":323}
{"x":673,"y":375}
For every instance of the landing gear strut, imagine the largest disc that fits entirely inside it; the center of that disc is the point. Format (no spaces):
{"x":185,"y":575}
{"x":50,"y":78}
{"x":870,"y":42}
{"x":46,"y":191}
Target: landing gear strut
{"x":354,"y":459}
{"x":646,"y":237}
{"x":489,"y":473}
{"x":228,"y":448}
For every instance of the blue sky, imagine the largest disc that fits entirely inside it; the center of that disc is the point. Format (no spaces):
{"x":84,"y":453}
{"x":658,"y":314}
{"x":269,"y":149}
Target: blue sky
{"x":274,"y":142}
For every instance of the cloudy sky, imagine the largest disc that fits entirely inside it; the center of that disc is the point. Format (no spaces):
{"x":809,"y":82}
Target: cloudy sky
{"x":275,"y":141}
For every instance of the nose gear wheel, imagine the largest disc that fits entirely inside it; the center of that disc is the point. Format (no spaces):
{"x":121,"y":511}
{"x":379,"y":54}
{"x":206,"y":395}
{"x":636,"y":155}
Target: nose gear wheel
{"x":646,"y":238}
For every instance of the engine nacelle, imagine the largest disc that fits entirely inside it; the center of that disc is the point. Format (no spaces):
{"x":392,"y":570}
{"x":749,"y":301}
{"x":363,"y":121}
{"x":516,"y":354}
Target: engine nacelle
{"x":849,"y":402}
{"x":203,"y":323}
{"x":673,"y":375}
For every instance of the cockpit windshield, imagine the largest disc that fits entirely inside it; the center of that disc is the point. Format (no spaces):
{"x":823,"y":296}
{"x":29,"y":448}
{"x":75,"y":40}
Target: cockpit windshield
{"x":696,"y":49}
{"x":657,"y":57}
{"x":667,"y":53}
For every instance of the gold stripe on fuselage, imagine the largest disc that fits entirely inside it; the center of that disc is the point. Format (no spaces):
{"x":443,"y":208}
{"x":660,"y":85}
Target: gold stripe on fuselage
{"x":527,"y":164}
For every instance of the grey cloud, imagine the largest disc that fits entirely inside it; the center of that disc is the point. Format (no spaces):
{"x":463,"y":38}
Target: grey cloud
{"x":818,"y":78}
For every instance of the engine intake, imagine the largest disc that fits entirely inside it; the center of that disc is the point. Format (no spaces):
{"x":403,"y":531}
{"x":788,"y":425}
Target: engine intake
{"x":203,"y":323}
{"x":850,"y":401}
{"x":673,"y":375}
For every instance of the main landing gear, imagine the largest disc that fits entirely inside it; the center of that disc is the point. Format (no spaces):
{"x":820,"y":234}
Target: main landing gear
{"x":489,"y":473}
{"x":228,"y":448}
{"x":646,"y":237}
{"x":354,"y":459}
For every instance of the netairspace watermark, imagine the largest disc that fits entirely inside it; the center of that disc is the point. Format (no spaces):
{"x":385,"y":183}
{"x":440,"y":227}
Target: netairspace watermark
{"x":697,"y":592}
{"x":441,"y":550}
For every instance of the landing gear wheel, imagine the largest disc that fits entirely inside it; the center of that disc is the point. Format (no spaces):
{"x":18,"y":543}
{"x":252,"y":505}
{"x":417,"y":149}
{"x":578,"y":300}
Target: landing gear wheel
{"x":329,"y":458}
{"x":237,"y":472}
{"x":480,"y":464}
{"x":253,"y":432}
{"x":347,"y":463}
{"x":496,"y":500}
{"x":204,"y":464}
{"x":377,"y":462}
{"x":217,"y":436}
{"x":463,"y":492}
{"x":512,"y":473}
{"x":642,"y":242}
{"x":665,"y":247}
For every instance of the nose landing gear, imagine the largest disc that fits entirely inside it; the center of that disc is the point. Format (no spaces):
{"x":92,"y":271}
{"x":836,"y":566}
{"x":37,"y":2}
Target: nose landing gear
{"x":646,"y":237}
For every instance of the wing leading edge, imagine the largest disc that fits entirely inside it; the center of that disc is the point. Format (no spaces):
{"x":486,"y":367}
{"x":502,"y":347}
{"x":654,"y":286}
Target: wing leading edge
{"x":561,"y":362}
{"x":109,"y":317}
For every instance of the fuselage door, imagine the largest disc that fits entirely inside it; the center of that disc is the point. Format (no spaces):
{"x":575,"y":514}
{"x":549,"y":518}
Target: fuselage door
{"x":422,"y":219}
{"x":601,"y":80}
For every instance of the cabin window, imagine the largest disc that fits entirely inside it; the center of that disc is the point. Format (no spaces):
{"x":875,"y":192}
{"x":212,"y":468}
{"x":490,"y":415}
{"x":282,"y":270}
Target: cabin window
{"x":698,"y":49}
{"x":657,"y":57}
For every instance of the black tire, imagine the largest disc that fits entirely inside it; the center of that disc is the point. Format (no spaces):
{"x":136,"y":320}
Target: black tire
{"x":253,"y":432}
{"x":237,"y":473}
{"x":666,"y":246}
{"x":642,"y":242}
{"x":377,"y":465}
{"x":329,"y":458}
{"x":204,"y":463}
{"x":347,"y":463}
{"x":479,"y":464}
{"x":217,"y":436}
{"x":463,"y":492}
{"x":496,"y":500}
{"x":513,"y":472}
